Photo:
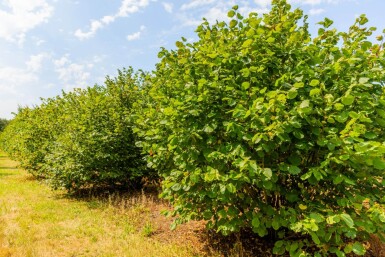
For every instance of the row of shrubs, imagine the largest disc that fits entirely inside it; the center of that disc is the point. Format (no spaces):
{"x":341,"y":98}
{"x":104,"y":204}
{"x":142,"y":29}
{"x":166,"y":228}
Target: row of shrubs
{"x":81,"y":139}
{"x":255,"y":126}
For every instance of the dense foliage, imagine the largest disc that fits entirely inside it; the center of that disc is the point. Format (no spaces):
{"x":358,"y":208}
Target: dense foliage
{"x":259,"y":126}
{"x":82,"y":138}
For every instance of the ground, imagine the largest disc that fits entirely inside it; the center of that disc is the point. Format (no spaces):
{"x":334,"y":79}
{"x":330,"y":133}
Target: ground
{"x":36,"y":221}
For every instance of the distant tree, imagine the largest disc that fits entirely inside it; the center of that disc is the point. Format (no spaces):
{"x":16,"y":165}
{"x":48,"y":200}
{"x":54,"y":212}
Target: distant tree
{"x":3,"y":124}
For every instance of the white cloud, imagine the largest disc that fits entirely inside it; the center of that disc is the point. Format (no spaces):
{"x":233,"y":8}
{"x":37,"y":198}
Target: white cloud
{"x":216,"y":14}
{"x":168,"y":7}
{"x":11,"y":79}
{"x":191,"y":13}
{"x":108,"y":19}
{"x":131,"y":6}
{"x":315,"y":11}
{"x":263,"y":3}
{"x":16,"y":85}
{"x":22,"y":16}
{"x":95,"y":26}
{"x":72,"y":74}
{"x":196,"y":3}
{"x":314,"y":2}
{"x":136,"y":35}
{"x":35,"y":62}
{"x":126,"y":8}
{"x":133,"y":36}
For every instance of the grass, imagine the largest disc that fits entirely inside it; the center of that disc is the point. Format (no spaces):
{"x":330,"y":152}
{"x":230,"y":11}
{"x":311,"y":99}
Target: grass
{"x":36,"y":221}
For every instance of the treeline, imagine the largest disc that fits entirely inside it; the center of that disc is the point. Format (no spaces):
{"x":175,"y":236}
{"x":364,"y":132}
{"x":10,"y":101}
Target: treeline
{"x":256,"y":126}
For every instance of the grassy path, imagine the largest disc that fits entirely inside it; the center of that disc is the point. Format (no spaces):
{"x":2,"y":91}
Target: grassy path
{"x":36,"y":221}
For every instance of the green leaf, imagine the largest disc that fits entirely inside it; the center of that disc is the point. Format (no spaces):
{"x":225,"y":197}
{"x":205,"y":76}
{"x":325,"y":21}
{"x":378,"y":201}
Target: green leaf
{"x":298,"y":134}
{"x":363,"y":80}
{"x":379,"y":163}
{"x":338,"y":179}
{"x":380,"y":122}
{"x":315,"y":92}
{"x":247,"y":43}
{"x":294,"y":170}
{"x":268,"y":173}
{"x":332,"y":219}
{"x":358,"y":248}
{"x":233,"y":23}
{"x":338,"y":106}
{"x":231,"y":13}
{"x":317,"y":217}
{"x":347,"y":100}
{"x":304,"y":104}
{"x":231,"y":188}
{"x":347,"y":219}
{"x":370,"y":135}
{"x":348,"y":248}
{"x":302,"y":207}
{"x":291,"y":94}
{"x":315,"y":238}
{"x":299,"y":85}
{"x":176,"y":187}
{"x":245,"y":85}
{"x":326,"y":23}
{"x":314,"y":82}
{"x":255,"y":222}
{"x":340,"y":253}
{"x":381,"y":113}
{"x":295,"y":159}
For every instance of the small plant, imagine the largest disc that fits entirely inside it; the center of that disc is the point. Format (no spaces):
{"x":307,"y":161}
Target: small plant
{"x":148,"y":229}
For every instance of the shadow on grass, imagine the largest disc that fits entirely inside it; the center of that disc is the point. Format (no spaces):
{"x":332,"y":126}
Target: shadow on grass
{"x":114,"y":193}
{"x":8,"y":168}
{"x":5,"y":174}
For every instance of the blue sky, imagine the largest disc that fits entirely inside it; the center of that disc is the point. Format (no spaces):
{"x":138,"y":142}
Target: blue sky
{"x":50,"y":45}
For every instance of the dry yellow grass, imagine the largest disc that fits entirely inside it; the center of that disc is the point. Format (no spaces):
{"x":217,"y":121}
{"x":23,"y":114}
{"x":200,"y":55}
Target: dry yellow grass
{"x":38,"y":222}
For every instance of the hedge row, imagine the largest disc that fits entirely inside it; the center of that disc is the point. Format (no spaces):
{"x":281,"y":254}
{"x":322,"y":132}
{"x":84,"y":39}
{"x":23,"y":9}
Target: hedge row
{"x":255,"y":126}
{"x":81,"y":139}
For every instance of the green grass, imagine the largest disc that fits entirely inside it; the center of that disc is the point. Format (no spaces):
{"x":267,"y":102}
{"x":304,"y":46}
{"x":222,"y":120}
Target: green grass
{"x":36,"y":221}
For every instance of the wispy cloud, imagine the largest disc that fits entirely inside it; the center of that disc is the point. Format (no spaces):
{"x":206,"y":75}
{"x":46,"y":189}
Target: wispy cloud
{"x":22,"y":16}
{"x":72,"y":74}
{"x":136,"y":35}
{"x":314,"y":2}
{"x":191,"y":13}
{"x":263,"y":3}
{"x":196,"y":3}
{"x":126,"y":8}
{"x":12,"y":78}
{"x":168,"y":7}
{"x":35,"y":62}
{"x":316,"y":11}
